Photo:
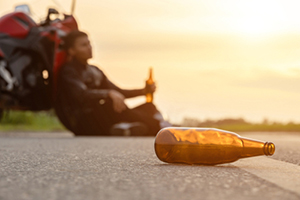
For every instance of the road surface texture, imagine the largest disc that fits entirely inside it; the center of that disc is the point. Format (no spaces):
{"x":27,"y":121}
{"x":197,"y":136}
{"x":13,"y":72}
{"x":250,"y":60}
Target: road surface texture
{"x":61,"y":166}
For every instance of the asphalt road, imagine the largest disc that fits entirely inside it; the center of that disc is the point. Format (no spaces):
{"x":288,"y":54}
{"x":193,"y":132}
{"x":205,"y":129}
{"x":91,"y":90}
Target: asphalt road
{"x":60,"y":166}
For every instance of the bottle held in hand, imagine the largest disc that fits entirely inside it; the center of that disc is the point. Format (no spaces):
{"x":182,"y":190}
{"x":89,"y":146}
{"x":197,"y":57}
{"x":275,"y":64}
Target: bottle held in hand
{"x":206,"y":146}
{"x":149,"y":83}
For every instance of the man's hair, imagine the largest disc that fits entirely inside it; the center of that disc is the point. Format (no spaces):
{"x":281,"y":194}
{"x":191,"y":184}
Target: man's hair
{"x":70,"y":38}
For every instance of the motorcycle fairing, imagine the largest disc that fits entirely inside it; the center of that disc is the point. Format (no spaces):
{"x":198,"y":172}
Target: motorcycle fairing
{"x":16,"y":24}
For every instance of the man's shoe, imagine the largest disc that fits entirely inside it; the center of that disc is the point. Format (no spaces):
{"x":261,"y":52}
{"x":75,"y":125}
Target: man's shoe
{"x":129,"y":129}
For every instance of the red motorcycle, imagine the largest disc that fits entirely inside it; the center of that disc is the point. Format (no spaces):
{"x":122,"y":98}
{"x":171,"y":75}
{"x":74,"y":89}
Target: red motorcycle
{"x":31,"y":55}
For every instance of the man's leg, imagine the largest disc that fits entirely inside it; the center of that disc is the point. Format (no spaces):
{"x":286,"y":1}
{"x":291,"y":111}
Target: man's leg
{"x":98,"y":121}
{"x":107,"y":117}
{"x":103,"y":117}
{"x":145,"y":113}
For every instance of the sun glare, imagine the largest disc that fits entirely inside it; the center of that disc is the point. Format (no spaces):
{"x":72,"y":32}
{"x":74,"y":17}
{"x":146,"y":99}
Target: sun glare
{"x":248,"y":18}
{"x":257,"y":18}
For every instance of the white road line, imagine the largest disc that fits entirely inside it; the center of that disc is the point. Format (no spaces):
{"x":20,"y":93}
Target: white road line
{"x":283,"y":174}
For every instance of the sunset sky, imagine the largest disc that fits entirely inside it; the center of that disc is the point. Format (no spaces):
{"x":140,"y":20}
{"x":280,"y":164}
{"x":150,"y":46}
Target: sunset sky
{"x":211,"y":59}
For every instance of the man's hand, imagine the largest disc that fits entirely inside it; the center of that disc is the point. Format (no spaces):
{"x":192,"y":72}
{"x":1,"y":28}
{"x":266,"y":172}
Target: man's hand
{"x":150,"y":88}
{"x":118,"y":100}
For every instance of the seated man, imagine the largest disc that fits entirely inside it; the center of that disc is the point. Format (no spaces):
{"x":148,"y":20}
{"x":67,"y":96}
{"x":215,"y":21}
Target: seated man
{"x":88,"y":103}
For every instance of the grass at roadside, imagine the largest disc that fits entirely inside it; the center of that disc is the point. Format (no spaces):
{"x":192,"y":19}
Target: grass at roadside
{"x":241,"y":125}
{"x":261,"y":127}
{"x":47,"y":121}
{"x":30,"y":121}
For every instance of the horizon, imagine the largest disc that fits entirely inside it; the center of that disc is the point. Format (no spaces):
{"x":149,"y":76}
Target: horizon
{"x":211,"y":60}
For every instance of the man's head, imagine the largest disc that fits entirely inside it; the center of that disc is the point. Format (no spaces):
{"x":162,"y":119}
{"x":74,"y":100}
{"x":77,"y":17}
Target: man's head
{"x":77,"y":45}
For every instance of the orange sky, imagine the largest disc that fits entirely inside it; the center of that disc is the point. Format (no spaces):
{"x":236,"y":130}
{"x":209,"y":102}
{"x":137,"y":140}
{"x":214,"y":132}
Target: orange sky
{"x":211,"y":59}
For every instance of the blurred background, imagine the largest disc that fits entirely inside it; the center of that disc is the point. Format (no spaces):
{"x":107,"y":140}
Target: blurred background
{"x":211,"y":59}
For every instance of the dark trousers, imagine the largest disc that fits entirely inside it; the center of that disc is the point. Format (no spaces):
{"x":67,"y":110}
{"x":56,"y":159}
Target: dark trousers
{"x":103,"y":117}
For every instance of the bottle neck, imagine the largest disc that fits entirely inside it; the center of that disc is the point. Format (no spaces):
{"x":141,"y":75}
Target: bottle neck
{"x":150,"y":74}
{"x":256,"y":148}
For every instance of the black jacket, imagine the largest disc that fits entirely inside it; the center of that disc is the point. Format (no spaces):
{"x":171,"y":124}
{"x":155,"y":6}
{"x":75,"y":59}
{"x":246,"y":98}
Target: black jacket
{"x":81,"y":87}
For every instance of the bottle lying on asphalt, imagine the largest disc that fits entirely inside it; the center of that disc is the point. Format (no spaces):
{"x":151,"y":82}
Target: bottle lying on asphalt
{"x":206,"y":146}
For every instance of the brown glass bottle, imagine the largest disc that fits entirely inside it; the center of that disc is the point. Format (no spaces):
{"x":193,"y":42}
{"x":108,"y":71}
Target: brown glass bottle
{"x":149,"y":83}
{"x":207,"y":146}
